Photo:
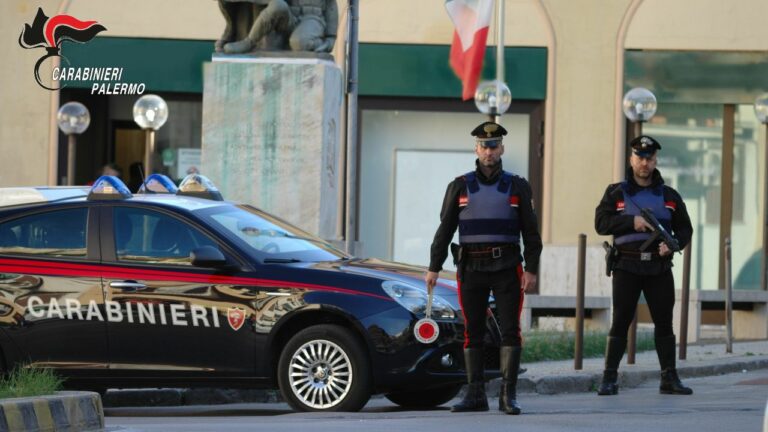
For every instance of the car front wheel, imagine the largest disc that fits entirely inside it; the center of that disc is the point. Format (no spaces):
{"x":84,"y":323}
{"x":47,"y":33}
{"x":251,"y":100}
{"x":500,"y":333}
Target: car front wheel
{"x":324,"y":368}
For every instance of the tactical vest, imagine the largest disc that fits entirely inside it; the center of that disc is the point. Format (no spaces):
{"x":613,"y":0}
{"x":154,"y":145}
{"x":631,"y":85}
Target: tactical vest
{"x":489,"y":212}
{"x":652,"y":198}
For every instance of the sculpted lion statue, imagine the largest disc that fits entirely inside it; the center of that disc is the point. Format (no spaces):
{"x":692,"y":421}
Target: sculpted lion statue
{"x":296,"y":25}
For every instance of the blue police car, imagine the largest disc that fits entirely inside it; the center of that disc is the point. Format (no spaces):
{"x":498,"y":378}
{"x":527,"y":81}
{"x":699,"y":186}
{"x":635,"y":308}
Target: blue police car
{"x":179,"y":288}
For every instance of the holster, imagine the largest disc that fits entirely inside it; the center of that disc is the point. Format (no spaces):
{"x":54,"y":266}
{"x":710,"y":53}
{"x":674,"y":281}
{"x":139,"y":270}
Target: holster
{"x":611,"y":256}
{"x":457,"y":251}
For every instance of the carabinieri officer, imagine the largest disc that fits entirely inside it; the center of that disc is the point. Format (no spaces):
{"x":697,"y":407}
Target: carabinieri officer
{"x":648,"y":271}
{"x":492,"y":209}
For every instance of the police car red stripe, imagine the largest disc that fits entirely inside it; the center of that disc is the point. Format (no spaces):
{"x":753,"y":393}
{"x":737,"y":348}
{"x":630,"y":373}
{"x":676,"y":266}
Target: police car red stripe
{"x":47,"y":268}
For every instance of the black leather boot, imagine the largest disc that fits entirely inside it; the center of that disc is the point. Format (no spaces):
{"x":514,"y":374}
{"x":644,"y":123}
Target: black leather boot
{"x":670,"y":381}
{"x":474,"y":398}
{"x":614,"y":351}
{"x":509,"y":357}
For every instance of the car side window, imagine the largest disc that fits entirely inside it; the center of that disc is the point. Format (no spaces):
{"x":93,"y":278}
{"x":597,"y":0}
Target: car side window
{"x":151,"y":237}
{"x":59,"y":233}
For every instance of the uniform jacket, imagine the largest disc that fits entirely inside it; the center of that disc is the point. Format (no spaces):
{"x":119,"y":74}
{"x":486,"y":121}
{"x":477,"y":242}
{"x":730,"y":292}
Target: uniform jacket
{"x":511,"y":257}
{"x":611,"y":220}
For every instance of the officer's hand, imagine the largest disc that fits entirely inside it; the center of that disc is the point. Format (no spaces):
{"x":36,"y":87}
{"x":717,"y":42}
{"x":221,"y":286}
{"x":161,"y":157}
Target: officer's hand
{"x":528,"y":281}
{"x":641,"y":225}
{"x":431,"y":280}
{"x":664,"y":250}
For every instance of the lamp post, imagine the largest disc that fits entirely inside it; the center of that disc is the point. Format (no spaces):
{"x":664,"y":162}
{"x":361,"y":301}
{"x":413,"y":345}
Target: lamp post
{"x":493,"y":98}
{"x":639,"y":106}
{"x":761,"y":110}
{"x":73,"y":119}
{"x":150,"y":112}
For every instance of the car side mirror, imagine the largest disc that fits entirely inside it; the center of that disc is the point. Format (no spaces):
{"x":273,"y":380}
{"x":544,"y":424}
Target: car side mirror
{"x":208,"y":256}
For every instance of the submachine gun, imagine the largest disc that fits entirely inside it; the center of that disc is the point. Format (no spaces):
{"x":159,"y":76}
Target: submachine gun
{"x":658,"y":232}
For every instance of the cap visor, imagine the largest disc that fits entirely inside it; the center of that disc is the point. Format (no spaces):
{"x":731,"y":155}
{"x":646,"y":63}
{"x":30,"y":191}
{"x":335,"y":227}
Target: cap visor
{"x":644,"y":154}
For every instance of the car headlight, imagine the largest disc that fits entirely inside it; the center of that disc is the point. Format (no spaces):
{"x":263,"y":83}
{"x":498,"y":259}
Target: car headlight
{"x":415,"y":300}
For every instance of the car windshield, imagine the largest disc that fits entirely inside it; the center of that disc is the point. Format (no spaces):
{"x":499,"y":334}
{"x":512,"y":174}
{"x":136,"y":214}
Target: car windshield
{"x":270,"y":239}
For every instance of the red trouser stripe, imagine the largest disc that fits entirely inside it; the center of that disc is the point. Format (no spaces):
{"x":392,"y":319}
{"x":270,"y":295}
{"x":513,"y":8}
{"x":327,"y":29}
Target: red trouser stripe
{"x":461,"y":305}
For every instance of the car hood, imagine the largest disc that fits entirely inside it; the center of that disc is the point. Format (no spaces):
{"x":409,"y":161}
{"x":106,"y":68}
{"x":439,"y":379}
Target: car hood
{"x":392,"y":271}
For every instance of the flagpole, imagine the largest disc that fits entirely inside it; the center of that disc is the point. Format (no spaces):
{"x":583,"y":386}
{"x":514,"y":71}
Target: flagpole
{"x":499,"y":55}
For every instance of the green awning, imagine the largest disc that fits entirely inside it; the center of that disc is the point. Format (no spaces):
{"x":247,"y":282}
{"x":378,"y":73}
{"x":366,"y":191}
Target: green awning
{"x":168,"y":65}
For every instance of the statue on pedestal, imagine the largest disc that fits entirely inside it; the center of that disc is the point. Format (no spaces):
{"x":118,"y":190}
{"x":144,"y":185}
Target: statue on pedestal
{"x":278,"y":25}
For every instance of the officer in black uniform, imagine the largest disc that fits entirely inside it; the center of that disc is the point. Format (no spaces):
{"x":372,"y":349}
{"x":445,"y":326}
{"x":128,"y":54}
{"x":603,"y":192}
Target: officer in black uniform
{"x":492,"y":209}
{"x":649,"y":271}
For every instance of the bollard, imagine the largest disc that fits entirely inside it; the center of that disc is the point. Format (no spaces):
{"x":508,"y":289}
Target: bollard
{"x":684,"y":302}
{"x":728,"y":299}
{"x":579,"y":339}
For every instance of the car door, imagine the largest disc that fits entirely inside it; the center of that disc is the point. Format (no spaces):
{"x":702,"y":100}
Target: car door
{"x":171,"y":318}
{"x":51,"y":300}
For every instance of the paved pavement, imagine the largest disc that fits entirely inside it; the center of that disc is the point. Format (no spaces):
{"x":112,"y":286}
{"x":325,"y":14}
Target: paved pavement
{"x":733,"y":402}
{"x":552,"y":377}
{"x":702,"y":360}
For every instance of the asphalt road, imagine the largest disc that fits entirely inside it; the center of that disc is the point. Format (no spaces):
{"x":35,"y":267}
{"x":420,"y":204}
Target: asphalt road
{"x":729,"y":402}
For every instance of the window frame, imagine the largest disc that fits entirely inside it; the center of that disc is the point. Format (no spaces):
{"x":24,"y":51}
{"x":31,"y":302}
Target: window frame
{"x":92,"y":247}
{"x":109,"y":248}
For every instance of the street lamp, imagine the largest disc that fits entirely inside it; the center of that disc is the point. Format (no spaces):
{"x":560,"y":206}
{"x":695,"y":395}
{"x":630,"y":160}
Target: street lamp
{"x":493,"y":98}
{"x":73,"y":119}
{"x":150,"y":112}
{"x":761,"y":110}
{"x":639,"y":106}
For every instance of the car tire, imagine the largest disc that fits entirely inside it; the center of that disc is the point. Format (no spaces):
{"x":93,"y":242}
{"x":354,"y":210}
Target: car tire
{"x":324,"y":368}
{"x":425,"y":398}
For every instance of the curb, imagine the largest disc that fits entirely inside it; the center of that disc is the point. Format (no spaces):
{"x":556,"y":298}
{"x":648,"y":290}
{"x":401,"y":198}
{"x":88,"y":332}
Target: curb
{"x":64,"y":411}
{"x":588,"y":381}
{"x":573,"y":382}
{"x":193,"y":396}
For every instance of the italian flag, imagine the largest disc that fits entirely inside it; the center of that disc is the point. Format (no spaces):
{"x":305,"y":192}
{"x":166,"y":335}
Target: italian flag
{"x":471,"y":19}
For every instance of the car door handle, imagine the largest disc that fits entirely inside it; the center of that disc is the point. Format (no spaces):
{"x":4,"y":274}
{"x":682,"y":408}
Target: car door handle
{"x":128,"y":285}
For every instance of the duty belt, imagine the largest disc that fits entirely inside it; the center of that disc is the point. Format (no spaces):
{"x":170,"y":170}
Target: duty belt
{"x":493,"y":252}
{"x":637,"y":255}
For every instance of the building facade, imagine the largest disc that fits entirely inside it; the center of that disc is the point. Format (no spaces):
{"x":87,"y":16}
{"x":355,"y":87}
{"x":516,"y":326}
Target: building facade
{"x":568,"y":64}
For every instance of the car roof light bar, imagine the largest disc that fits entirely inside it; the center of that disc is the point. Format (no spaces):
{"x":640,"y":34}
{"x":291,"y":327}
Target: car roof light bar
{"x":109,"y":188}
{"x":158,"y":184}
{"x":198,"y":185}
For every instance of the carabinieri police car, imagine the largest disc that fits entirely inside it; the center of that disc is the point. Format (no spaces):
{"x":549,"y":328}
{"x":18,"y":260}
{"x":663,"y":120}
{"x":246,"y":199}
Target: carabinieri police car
{"x":176,"y":287}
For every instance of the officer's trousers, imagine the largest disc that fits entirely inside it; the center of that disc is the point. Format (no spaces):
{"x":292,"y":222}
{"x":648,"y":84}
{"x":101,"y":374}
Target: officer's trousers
{"x":474,"y":289}
{"x":659,"y":291}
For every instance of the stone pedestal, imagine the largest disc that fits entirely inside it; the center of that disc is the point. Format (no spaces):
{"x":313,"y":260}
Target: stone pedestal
{"x":271,"y":136}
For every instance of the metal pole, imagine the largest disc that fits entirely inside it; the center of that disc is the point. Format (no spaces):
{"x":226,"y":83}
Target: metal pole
{"x":728,"y":298}
{"x":352,"y":144}
{"x":764,"y":261}
{"x":579,"y":339}
{"x":499,"y":55}
{"x":684,"y":302}
{"x":71,"y":159}
{"x":149,"y":149}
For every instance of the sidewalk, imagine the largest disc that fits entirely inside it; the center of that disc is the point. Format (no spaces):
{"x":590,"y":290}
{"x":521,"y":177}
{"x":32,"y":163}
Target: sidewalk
{"x":551,"y":377}
{"x":702,"y":360}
